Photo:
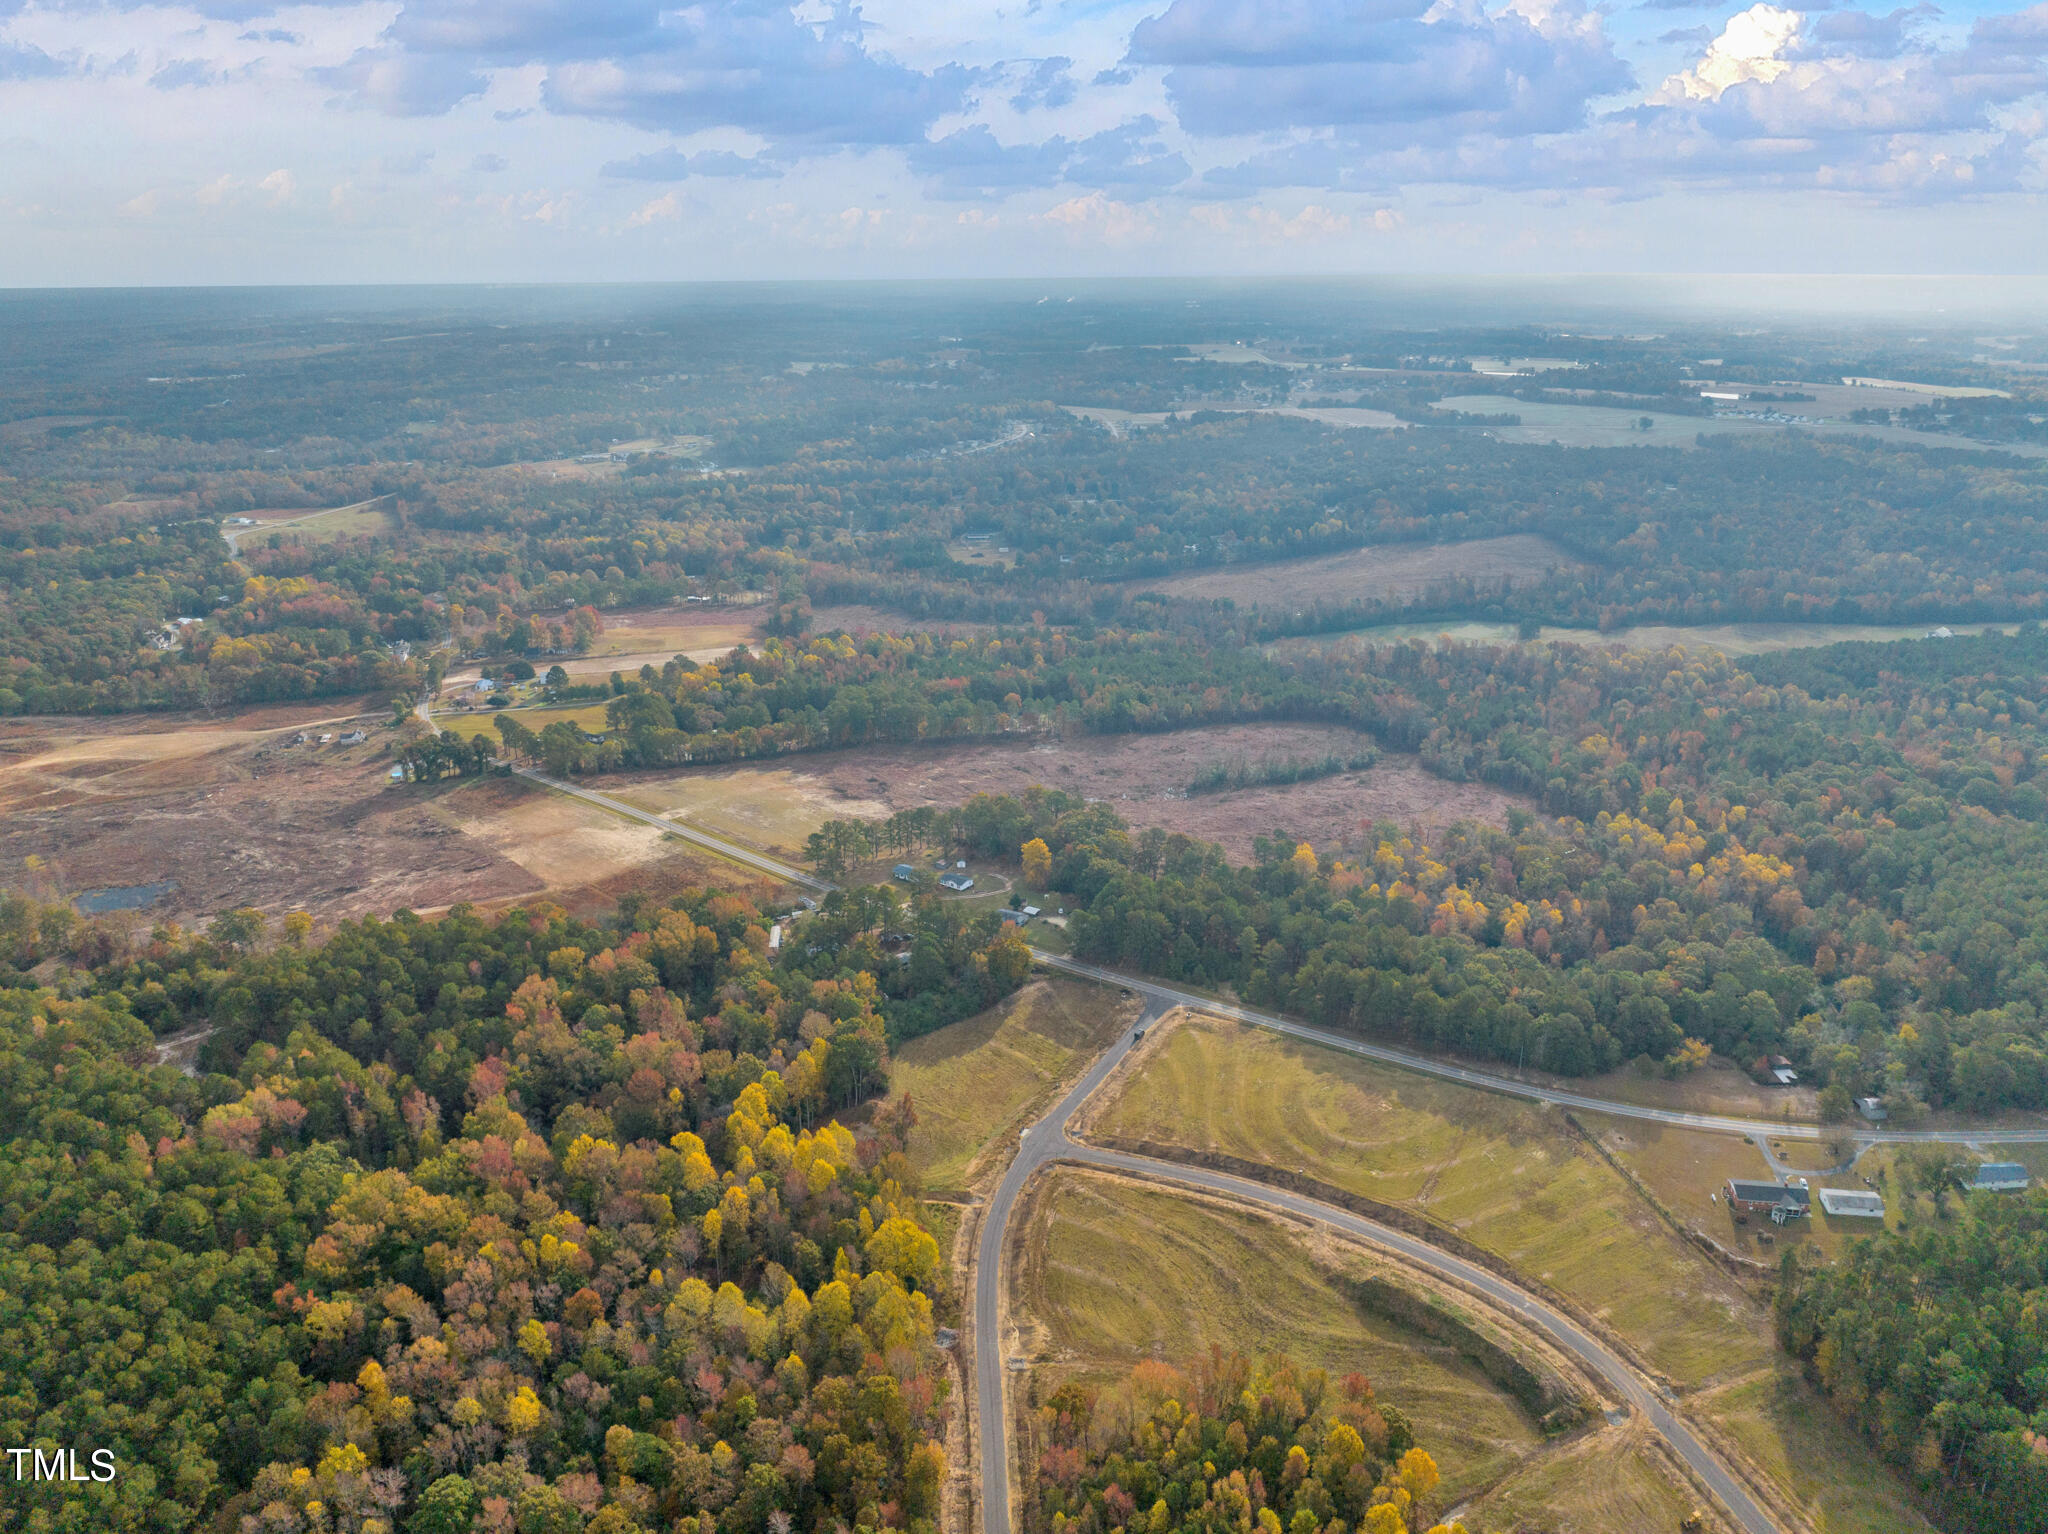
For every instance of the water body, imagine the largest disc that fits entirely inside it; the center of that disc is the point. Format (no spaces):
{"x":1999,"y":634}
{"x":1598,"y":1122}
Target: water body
{"x":126,"y":897}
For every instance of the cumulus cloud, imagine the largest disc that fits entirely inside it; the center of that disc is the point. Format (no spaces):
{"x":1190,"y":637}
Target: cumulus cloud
{"x":1752,"y":46}
{"x":402,"y":84}
{"x":1048,"y":83}
{"x":1405,"y":70}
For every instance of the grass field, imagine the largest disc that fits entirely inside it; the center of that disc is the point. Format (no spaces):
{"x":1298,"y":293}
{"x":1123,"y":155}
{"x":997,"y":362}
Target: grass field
{"x":983,"y":1078}
{"x":1509,"y":1175}
{"x":772,"y":808}
{"x":1610,"y":1482}
{"x":368,"y":519}
{"x":586,"y":716}
{"x":1585,"y":425}
{"x":1799,"y":1442}
{"x":1120,"y":1273}
{"x":1515,"y":1179}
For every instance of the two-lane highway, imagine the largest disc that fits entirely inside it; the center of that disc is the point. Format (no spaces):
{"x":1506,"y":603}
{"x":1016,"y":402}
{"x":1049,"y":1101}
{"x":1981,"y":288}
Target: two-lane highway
{"x":1048,"y":1143}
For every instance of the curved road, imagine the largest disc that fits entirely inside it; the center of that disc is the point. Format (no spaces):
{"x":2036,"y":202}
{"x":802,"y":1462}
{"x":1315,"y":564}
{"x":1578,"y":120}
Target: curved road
{"x":1047,"y":1143}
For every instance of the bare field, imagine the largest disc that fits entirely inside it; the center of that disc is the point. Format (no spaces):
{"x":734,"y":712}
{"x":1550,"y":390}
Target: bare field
{"x":1728,"y":638}
{"x":1145,"y":777}
{"x":224,"y":811}
{"x":229,"y":814}
{"x":1396,"y":573}
{"x":1091,"y":1316}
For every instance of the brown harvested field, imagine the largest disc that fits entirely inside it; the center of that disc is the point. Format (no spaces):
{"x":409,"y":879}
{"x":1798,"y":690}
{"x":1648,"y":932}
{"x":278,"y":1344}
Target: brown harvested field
{"x":1398,"y":573}
{"x":1145,"y":777}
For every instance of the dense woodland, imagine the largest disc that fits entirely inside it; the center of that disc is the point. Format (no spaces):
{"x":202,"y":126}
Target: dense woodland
{"x":760,"y":468}
{"x":1841,"y":855}
{"x":1230,"y":1445}
{"x":472,"y":1224}
{"x":1933,"y":1342}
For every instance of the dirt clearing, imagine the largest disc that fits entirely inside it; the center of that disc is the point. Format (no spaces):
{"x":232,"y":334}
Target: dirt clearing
{"x":1396,"y":573}
{"x":1145,"y":777}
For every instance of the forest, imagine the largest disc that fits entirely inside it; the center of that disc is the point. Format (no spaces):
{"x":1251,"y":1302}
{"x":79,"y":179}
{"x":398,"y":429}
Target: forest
{"x":1229,"y":1445}
{"x":472,"y":1224}
{"x":1931,"y":1341}
{"x":1840,"y":855}
{"x":756,"y":469}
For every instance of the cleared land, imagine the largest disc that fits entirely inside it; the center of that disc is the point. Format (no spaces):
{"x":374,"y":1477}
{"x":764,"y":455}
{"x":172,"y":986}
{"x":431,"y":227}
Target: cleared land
{"x":1546,"y":421}
{"x":977,"y":1082}
{"x":1509,"y":1175}
{"x":1728,"y":638}
{"x":228,"y":813}
{"x":1344,"y":417}
{"x":1619,"y":1480}
{"x":1396,"y":573}
{"x":1798,"y":1441}
{"x":1146,"y":777}
{"x":852,"y":618}
{"x":368,"y":519}
{"x":1118,"y":1273}
{"x":585,"y":716}
{"x":1514,"y":1178}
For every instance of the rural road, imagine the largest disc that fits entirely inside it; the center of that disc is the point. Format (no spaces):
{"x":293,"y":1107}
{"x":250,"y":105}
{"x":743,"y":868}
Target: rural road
{"x":1047,"y":1143}
{"x":1486,"y":1081}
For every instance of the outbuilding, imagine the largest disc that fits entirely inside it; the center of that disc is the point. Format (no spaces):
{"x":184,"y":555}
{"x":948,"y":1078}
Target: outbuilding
{"x":1872,"y":1109}
{"x":904,"y":872}
{"x":1853,"y":1203}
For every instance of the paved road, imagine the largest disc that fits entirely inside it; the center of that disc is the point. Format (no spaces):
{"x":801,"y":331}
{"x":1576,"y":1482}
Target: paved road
{"x":1167,"y":996}
{"x":1047,"y":1143}
{"x":1783,"y":1129}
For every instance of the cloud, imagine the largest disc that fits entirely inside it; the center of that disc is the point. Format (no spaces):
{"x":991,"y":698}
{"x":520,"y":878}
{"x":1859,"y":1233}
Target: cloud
{"x":664,"y":208}
{"x":1050,"y":83}
{"x":970,"y":163}
{"x":281,"y":185}
{"x":1099,"y":217}
{"x":180,"y":73}
{"x":273,"y":35}
{"x":1751,"y":47}
{"x":1402,"y":70}
{"x":675,"y":165}
{"x":753,"y":65}
{"x":488,"y":164}
{"x":25,"y":62}
{"x":1128,"y":161}
{"x":401,"y":84}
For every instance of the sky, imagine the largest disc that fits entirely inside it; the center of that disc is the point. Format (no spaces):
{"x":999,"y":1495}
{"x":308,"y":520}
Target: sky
{"x":236,"y":141}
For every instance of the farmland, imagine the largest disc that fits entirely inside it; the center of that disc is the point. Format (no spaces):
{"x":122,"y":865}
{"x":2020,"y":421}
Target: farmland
{"x":1395,"y":573}
{"x":1734,"y":639}
{"x":1518,"y":1181}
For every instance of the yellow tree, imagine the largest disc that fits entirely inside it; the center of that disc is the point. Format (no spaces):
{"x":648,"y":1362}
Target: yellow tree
{"x":1037,"y":862}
